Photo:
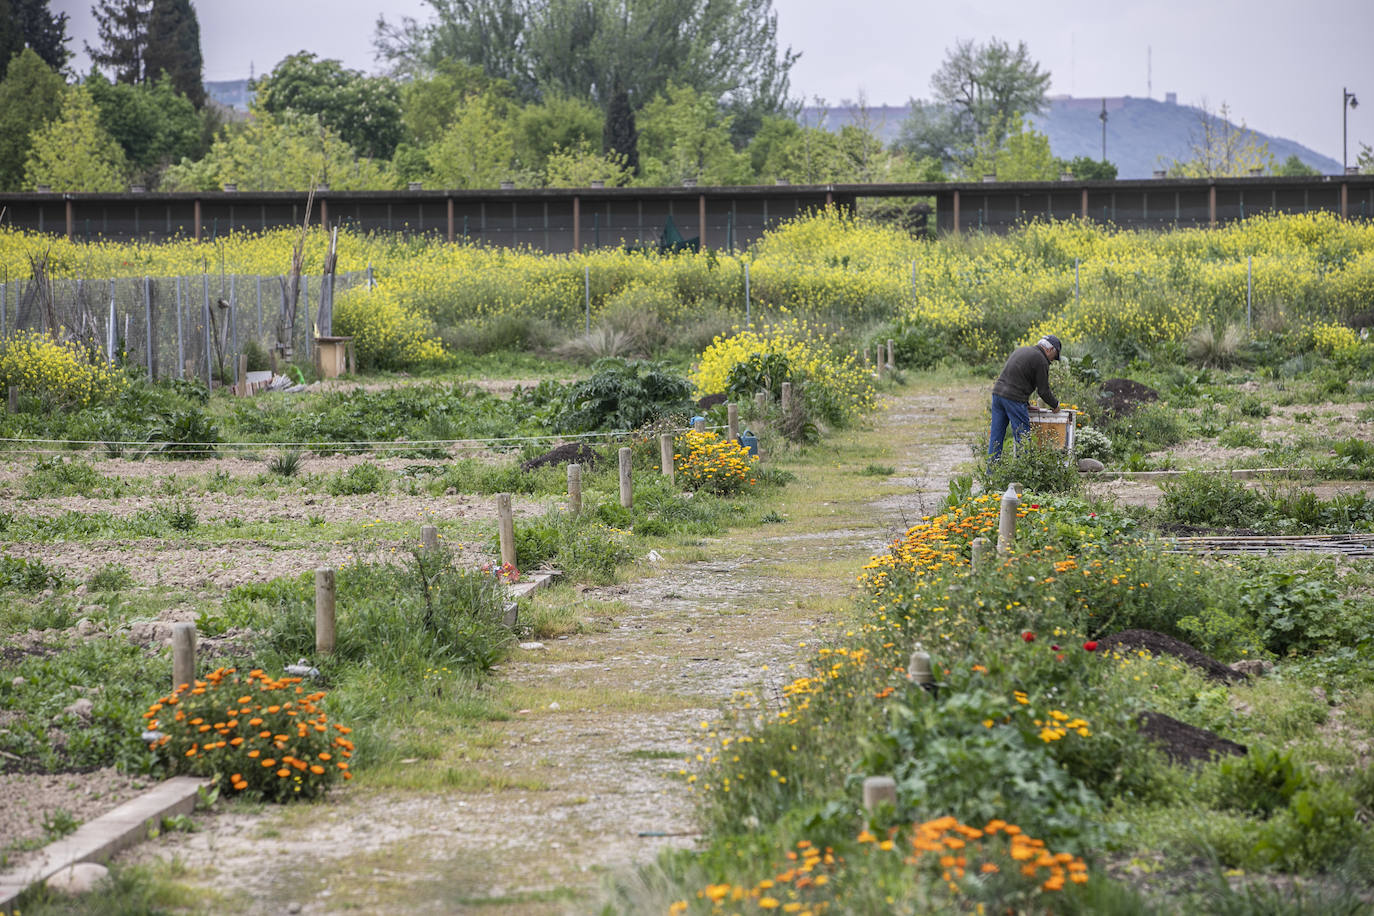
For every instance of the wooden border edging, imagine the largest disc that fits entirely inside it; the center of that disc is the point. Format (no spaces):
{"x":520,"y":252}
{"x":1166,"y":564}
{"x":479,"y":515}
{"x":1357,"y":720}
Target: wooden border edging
{"x":98,"y":840}
{"x":1236,"y":473}
{"x":535,"y":582}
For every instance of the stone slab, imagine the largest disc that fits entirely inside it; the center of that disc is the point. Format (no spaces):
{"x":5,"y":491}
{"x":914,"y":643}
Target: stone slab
{"x":531,"y":585}
{"x":98,"y":840}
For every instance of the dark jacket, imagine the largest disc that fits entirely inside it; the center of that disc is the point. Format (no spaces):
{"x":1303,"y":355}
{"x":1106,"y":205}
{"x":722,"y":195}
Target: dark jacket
{"x":1027,"y":370}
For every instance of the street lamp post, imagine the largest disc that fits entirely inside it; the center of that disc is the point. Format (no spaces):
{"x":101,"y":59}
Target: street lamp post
{"x":1103,"y":118}
{"x":1348,"y":101}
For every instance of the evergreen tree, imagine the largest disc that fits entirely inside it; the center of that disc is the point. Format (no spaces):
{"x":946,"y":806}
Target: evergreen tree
{"x":122,"y":26}
{"x":620,"y":136}
{"x":30,"y":97}
{"x":73,"y":152}
{"x":29,"y":23}
{"x":174,"y":46}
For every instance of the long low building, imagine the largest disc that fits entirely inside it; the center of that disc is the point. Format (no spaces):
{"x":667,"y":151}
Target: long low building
{"x":560,"y":220}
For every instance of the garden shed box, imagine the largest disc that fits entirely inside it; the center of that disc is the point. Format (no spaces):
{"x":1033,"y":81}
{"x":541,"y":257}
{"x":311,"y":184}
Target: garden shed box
{"x":334,"y":356}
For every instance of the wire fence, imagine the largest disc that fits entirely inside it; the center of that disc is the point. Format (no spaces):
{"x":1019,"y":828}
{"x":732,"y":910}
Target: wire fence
{"x":178,"y":327}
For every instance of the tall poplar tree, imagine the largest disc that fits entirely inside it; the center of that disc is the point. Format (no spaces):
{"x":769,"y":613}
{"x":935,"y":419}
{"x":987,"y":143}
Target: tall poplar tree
{"x":173,"y":45}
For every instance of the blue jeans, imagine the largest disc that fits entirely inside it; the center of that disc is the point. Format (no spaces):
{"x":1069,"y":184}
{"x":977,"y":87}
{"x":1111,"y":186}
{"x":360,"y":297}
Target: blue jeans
{"x":1007,"y":412}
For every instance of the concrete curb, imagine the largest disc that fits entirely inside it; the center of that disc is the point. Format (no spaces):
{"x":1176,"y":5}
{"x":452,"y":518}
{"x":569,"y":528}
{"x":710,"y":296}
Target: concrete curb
{"x":98,"y":840}
{"x":534,"y":583}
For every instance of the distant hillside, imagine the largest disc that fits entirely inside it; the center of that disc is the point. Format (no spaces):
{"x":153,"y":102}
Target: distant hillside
{"x":1142,"y":134}
{"x":230,"y":93}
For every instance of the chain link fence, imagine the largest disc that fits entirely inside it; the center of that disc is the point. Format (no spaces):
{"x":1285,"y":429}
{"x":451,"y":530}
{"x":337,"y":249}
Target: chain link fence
{"x":178,"y":327}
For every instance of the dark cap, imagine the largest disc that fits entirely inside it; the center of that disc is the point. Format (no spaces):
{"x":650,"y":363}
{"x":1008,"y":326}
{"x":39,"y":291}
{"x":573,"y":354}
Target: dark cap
{"x":1054,"y":342}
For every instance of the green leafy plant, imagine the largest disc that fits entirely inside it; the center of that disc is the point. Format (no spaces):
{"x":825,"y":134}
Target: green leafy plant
{"x":623,"y":395}
{"x":112,"y":577}
{"x":1211,"y":500}
{"x":363,"y":477}
{"x":1035,"y":465}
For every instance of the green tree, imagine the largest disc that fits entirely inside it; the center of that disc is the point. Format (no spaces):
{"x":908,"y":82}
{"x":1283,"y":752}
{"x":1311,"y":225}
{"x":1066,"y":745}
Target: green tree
{"x":365,"y":111}
{"x":683,"y":135}
{"x":122,"y":27}
{"x":1022,"y":155}
{"x":1220,"y":149}
{"x":1086,"y":168}
{"x":619,"y":135}
{"x":73,"y":152}
{"x":30,"y":98}
{"x":557,"y":123}
{"x":586,"y":49}
{"x":285,"y":152}
{"x":1294,"y":167}
{"x":477,"y":150}
{"x":579,"y":166}
{"x":153,"y":124}
{"x":980,"y":93}
{"x":30,"y":23}
{"x":174,"y":48}
{"x":1366,"y":159}
{"x":429,"y":101}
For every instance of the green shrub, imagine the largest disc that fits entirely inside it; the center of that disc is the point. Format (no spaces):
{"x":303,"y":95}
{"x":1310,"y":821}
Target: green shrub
{"x":1090,"y":442}
{"x":1209,"y":500}
{"x":1036,"y":466}
{"x":364,"y":477}
{"x":1300,"y":611}
{"x":1260,"y":782}
{"x":112,"y":577}
{"x":186,"y":433}
{"x":24,"y":575}
{"x":1240,"y":436}
{"x":1149,"y":428}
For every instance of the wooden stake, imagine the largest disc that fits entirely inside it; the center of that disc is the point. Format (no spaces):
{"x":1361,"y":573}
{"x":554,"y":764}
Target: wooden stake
{"x":980,"y":552}
{"x":891,"y":362}
{"x":429,"y":538}
{"x":732,"y":421}
{"x":14,"y":399}
{"x":324,"y":611}
{"x":183,"y":654}
{"x":243,"y":377}
{"x":786,"y":398}
{"x":575,"y":489}
{"x":627,"y":495}
{"x":761,"y":401}
{"x":699,"y":424}
{"x":665,"y":454}
{"x":505,"y":518}
{"x":879,"y":790}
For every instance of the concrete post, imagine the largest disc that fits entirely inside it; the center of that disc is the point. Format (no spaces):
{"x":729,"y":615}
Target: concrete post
{"x":627,"y":495}
{"x":699,"y":424}
{"x":183,"y":654}
{"x":505,"y":519}
{"x":1006,"y":523}
{"x":786,"y":398}
{"x":575,"y":489}
{"x":324,"y":611}
{"x":880,"y":363}
{"x":732,"y":421}
{"x":761,"y":401}
{"x":980,"y":552}
{"x":429,"y":538}
{"x":879,"y":790}
{"x":665,"y":454}
{"x":891,"y":360}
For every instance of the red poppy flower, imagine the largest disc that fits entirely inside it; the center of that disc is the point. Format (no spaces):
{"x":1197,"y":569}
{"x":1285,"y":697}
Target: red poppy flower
{"x":1055,"y":648}
{"x":1028,"y":636}
{"x":1090,"y":645}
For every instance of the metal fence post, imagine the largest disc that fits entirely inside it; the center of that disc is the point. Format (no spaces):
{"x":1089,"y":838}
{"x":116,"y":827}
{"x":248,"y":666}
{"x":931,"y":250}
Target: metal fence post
{"x":181,"y":347}
{"x":148,"y":323}
{"x":205,"y":293}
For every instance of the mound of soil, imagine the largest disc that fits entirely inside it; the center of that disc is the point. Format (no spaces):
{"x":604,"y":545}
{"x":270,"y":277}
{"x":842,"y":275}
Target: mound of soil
{"x":1121,"y":396}
{"x":1184,"y":743}
{"x":1159,"y":644}
{"x":711,"y":400}
{"x":567,"y":453}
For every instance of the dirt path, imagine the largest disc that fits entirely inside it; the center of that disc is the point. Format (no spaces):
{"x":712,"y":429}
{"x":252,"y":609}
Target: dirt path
{"x":584,"y":778}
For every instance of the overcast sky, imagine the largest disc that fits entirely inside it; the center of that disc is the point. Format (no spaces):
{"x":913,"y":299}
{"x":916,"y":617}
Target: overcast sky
{"x":1281,"y":67}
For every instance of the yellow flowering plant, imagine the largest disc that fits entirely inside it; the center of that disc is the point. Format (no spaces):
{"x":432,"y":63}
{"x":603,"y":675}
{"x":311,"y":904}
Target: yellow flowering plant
{"x":62,"y":374}
{"x":707,"y":461}
{"x":256,"y":735}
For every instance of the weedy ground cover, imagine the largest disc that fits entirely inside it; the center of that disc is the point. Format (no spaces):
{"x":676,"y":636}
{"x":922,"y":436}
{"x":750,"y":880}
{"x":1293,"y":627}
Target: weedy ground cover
{"x":1035,"y":721}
